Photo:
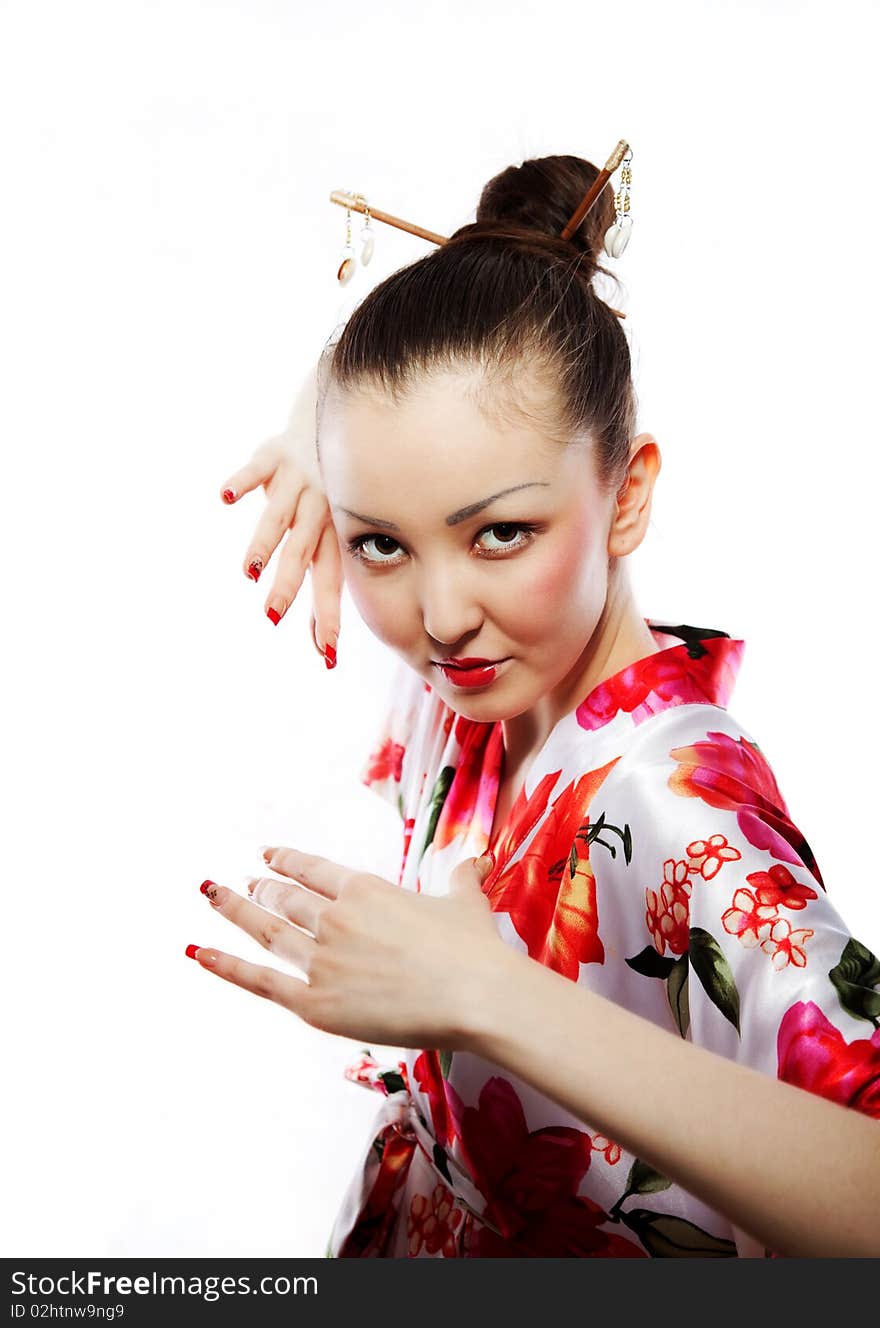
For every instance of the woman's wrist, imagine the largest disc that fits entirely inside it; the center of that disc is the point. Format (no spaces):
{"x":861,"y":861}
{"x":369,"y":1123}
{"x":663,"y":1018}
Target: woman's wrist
{"x":300,"y":436}
{"x":487,"y":1009}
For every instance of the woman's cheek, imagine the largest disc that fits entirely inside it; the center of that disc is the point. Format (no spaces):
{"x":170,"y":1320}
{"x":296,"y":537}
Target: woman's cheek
{"x":378,"y":605}
{"x":553,"y":580}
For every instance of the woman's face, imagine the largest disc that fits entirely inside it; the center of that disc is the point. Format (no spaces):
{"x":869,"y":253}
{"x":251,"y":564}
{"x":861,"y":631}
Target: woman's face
{"x":438,"y":565}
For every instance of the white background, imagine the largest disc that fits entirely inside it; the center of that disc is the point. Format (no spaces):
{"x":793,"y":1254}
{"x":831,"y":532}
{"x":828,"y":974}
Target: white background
{"x":168,"y":270}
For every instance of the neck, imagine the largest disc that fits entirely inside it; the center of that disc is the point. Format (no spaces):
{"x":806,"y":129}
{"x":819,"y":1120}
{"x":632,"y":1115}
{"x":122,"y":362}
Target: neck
{"x":621,"y":637}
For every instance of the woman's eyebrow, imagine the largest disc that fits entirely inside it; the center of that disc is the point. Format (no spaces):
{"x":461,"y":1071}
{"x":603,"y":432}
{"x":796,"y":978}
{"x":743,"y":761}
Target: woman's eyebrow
{"x":461,"y":515}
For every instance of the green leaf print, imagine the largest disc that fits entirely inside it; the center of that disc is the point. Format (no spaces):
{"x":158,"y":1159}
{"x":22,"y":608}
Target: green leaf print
{"x":650,"y":964}
{"x":594,"y":831}
{"x":438,"y":796}
{"x":445,"y":1063}
{"x":392,"y":1081}
{"x":855,"y":975}
{"x":668,"y":1237}
{"x":643,"y":1179}
{"x":708,"y":962}
{"x":677,"y":994}
{"x":441,"y":1162}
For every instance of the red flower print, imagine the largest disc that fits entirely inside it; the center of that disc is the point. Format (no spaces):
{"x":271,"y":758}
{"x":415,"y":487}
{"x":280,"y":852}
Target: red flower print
{"x":668,"y":913}
{"x":778,"y":886}
{"x":433,"y":1223}
{"x":786,"y":946}
{"x":611,"y":1150}
{"x":408,"y":827}
{"x":386,"y":761}
{"x":733,"y":774}
{"x":373,"y":1231}
{"x":429,"y":1078}
{"x":668,"y":677}
{"x":551,"y":901}
{"x":525,"y":814}
{"x":754,"y":917}
{"x":530,"y":1182}
{"x":748,"y":919}
{"x":707,"y":856}
{"x":813,"y":1054}
{"x":477,"y":770}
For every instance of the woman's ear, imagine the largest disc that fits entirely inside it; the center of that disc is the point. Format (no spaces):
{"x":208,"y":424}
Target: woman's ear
{"x":632,"y":507}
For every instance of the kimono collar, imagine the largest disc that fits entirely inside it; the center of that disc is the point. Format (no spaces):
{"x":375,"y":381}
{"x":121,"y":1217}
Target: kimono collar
{"x":703,"y":668}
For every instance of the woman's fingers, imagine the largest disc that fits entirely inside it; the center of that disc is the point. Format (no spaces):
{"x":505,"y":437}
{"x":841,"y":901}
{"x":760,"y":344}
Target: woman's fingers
{"x":259,"y":470}
{"x":294,"y":903}
{"x":274,"y":934}
{"x":284,"y":496}
{"x":326,"y":575}
{"x":319,"y":874}
{"x":297,"y":551}
{"x":281,"y":988}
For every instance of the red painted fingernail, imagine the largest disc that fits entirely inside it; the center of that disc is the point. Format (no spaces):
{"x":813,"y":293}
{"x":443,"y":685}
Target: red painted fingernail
{"x":273,"y":616}
{"x":228,"y":496}
{"x":330,"y":657}
{"x":201,"y":955}
{"x":205,"y":886}
{"x":254,"y":569}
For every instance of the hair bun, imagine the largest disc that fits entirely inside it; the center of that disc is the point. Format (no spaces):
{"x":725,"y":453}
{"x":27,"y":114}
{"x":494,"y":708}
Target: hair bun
{"x":541,"y":194}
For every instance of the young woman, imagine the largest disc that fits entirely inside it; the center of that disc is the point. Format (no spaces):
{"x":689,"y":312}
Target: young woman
{"x":613,"y":1030}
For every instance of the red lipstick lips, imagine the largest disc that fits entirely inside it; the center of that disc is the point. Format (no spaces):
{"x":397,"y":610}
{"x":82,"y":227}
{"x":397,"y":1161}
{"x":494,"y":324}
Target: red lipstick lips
{"x":468,"y":671}
{"x":467,"y":662}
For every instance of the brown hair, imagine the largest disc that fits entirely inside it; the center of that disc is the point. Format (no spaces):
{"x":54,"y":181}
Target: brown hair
{"x":503,"y":289}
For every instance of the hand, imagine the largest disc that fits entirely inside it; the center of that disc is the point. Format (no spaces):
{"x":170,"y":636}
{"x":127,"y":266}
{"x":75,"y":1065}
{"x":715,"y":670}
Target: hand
{"x":296,"y":507}
{"x":383,"y":964}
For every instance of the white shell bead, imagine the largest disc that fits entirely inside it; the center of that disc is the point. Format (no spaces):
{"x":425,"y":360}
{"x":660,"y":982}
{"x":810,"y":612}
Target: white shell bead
{"x":616,"y":239}
{"x":346,"y":271}
{"x":367,"y":248}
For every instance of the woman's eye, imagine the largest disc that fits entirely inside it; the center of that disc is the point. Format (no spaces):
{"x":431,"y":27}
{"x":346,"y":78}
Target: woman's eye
{"x":502,"y":532}
{"x":357,"y":546}
{"x":504,"y":539}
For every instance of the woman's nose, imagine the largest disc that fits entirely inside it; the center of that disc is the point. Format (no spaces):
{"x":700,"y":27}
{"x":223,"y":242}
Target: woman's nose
{"x":450,"y":613}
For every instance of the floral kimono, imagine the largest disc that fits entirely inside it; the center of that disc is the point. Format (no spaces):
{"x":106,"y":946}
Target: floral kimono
{"x":651,"y":858}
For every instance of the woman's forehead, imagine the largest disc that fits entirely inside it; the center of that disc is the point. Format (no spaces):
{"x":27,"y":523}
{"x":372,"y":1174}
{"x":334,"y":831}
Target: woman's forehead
{"x":436,"y":450}
{"x":485,"y":413}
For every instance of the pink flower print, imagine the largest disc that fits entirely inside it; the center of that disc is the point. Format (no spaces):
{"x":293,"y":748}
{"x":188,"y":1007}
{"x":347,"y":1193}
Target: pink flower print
{"x":707,"y":856}
{"x":668,"y":914}
{"x":778,"y":886}
{"x":608,"y":1147}
{"x":786,"y":946}
{"x":748,"y":919}
{"x":815,"y":1055}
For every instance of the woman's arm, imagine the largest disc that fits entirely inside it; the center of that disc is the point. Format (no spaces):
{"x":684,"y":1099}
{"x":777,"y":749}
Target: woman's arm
{"x":799,"y":1173}
{"x":796,"y":1171}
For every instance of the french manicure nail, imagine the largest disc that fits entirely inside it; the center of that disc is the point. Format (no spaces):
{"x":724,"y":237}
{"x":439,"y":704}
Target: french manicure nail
{"x":255,"y":568}
{"x":273,"y":616}
{"x":201,"y":955}
{"x":228,"y":496}
{"x":330,"y":657}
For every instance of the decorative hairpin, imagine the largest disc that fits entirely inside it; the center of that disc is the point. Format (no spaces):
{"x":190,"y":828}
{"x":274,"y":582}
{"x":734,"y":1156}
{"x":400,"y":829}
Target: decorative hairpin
{"x":616,"y":239}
